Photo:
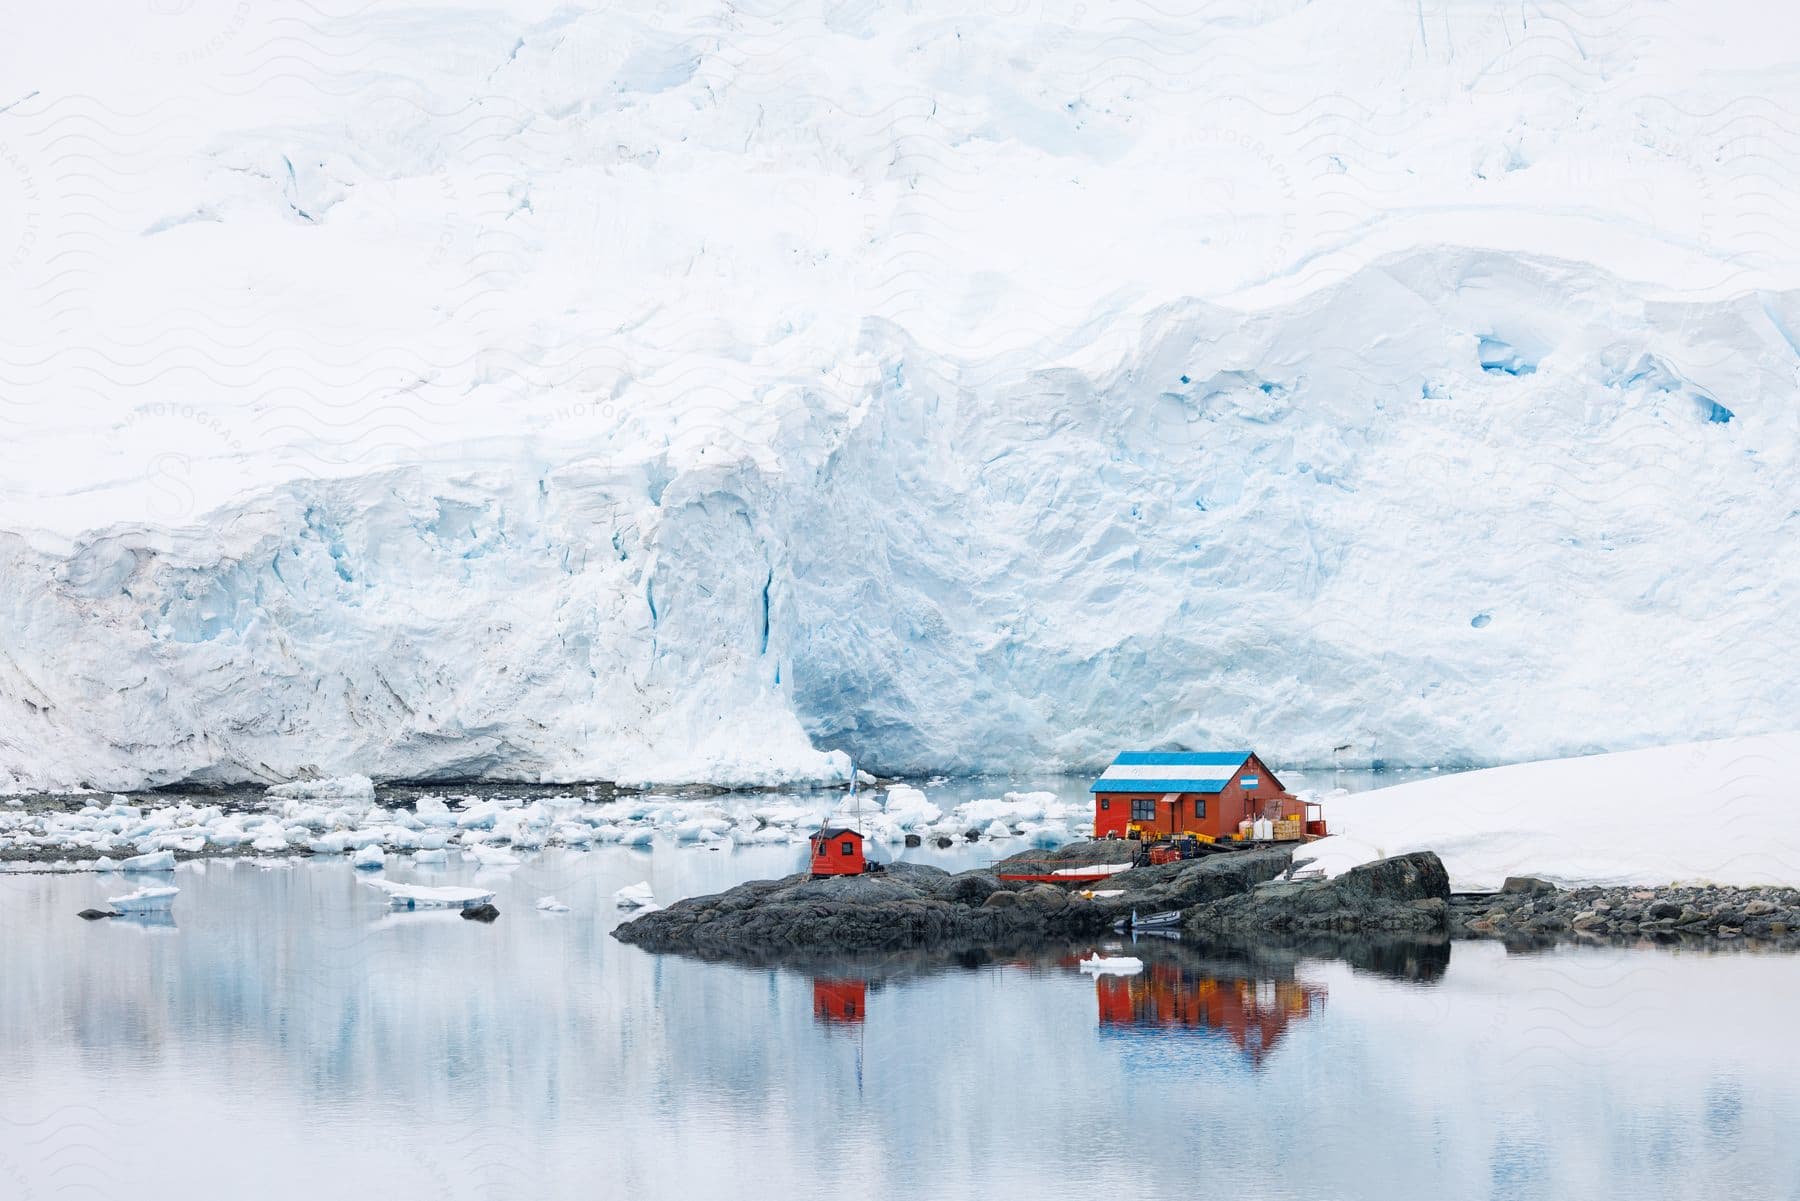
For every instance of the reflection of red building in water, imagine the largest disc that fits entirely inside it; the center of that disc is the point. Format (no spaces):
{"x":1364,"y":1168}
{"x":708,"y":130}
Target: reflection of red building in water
{"x":840,"y":1002}
{"x":1255,"y":1014}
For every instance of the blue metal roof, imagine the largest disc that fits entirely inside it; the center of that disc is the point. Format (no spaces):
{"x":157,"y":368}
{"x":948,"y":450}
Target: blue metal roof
{"x":1170,"y":771}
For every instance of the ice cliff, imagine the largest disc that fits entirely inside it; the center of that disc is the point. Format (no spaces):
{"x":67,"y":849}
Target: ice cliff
{"x":1335,"y":524}
{"x":708,"y":392}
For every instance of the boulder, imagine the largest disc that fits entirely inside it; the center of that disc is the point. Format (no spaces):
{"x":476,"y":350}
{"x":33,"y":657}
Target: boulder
{"x":94,"y":915}
{"x":481,"y":913}
{"x":1529,"y":885}
{"x":1404,"y":894}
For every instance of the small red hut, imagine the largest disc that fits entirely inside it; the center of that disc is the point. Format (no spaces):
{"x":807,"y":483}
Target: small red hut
{"x":838,"y":852}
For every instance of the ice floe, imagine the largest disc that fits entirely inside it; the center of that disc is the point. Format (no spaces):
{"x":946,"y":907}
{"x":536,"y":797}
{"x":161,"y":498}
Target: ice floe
{"x":424,"y":896}
{"x":342,"y":817}
{"x":1112,"y":965}
{"x":145,"y":900}
{"x":635,"y":896}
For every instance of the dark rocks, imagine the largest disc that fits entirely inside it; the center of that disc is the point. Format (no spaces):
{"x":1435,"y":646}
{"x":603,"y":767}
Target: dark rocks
{"x":914,"y":840}
{"x":914,"y":907}
{"x":1407,"y":894}
{"x":1404,"y":902}
{"x":94,"y":915}
{"x":1671,"y":914}
{"x":970,"y":888}
{"x":480,"y":913}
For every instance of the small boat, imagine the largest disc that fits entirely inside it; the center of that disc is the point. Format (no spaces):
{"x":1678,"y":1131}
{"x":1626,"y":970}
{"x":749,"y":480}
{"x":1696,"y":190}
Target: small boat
{"x":1112,"y":965}
{"x":1165,"y":920}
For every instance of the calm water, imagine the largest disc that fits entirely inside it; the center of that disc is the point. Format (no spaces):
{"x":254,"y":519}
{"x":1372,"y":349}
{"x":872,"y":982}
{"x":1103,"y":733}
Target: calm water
{"x":286,"y":1037}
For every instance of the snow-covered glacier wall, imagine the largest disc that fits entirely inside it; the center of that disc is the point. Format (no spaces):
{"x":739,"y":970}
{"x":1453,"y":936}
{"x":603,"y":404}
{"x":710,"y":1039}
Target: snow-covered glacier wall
{"x":1461,"y":508}
{"x":715,"y":391}
{"x":522,"y":624}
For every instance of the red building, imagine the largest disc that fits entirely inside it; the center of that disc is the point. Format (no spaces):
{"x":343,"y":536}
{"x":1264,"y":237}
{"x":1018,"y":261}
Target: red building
{"x":1157,"y":794}
{"x":838,"y":852}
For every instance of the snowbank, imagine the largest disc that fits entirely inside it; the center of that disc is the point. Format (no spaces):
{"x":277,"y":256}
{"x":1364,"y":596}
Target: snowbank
{"x":1708,"y":812}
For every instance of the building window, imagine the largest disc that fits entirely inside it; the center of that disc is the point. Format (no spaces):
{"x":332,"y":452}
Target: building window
{"x":824,"y":848}
{"x":1199,"y":806}
{"x":847,"y":848}
{"x":1143,"y":809}
{"x":1105,"y":803}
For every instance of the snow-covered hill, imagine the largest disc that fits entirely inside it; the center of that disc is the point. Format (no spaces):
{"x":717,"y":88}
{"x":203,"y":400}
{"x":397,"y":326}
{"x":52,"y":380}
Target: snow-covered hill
{"x":688,"y":392}
{"x":1703,"y":813}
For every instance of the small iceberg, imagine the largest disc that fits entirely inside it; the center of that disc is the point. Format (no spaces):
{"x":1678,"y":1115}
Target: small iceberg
{"x":635,"y":896}
{"x":1112,"y":965}
{"x":370,"y":858}
{"x":551,"y":905}
{"x":336,"y":788}
{"x":422,"y":896}
{"x":144,"y":900}
{"x":155,"y":861}
{"x":493,"y":856}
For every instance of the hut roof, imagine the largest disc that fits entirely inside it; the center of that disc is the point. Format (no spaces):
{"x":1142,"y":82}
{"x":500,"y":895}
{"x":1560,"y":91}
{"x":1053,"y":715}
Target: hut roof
{"x":1171,"y":771}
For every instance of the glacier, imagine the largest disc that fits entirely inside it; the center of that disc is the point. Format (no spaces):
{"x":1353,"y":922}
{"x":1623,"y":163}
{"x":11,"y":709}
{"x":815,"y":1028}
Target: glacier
{"x":719,"y":394}
{"x":1325,"y":529}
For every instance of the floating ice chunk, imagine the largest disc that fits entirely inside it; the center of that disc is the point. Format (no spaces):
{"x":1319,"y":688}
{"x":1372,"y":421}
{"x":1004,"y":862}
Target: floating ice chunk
{"x":997,"y":829}
{"x":480,"y":816}
{"x":104,"y":864}
{"x":1112,"y":965}
{"x":551,"y":905}
{"x":431,"y":855}
{"x":227,"y":836}
{"x":370,"y":858}
{"x":635,"y":896}
{"x":423,"y":896}
{"x":430,"y":806}
{"x":145,"y":900}
{"x":339,"y":790}
{"x":156,"y":861}
{"x":494,"y":856}
{"x":907,"y":807}
{"x":640,"y":837}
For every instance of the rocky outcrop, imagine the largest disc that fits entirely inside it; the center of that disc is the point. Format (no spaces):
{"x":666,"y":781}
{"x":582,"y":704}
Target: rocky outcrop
{"x":1408,"y":894}
{"x":911,"y":906}
{"x":1545,"y":913}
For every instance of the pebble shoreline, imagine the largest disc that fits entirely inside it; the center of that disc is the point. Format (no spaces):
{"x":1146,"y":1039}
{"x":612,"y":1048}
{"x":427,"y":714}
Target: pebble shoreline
{"x":1528,"y":909}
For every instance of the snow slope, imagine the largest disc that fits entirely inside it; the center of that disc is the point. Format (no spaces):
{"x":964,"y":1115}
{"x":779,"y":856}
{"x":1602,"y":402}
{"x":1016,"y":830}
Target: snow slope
{"x":1721,"y":812}
{"x":686,"y":392}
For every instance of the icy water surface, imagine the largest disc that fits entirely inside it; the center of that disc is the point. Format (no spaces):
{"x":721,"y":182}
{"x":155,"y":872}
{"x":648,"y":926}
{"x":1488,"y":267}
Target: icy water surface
{"x":286,"y":1037}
